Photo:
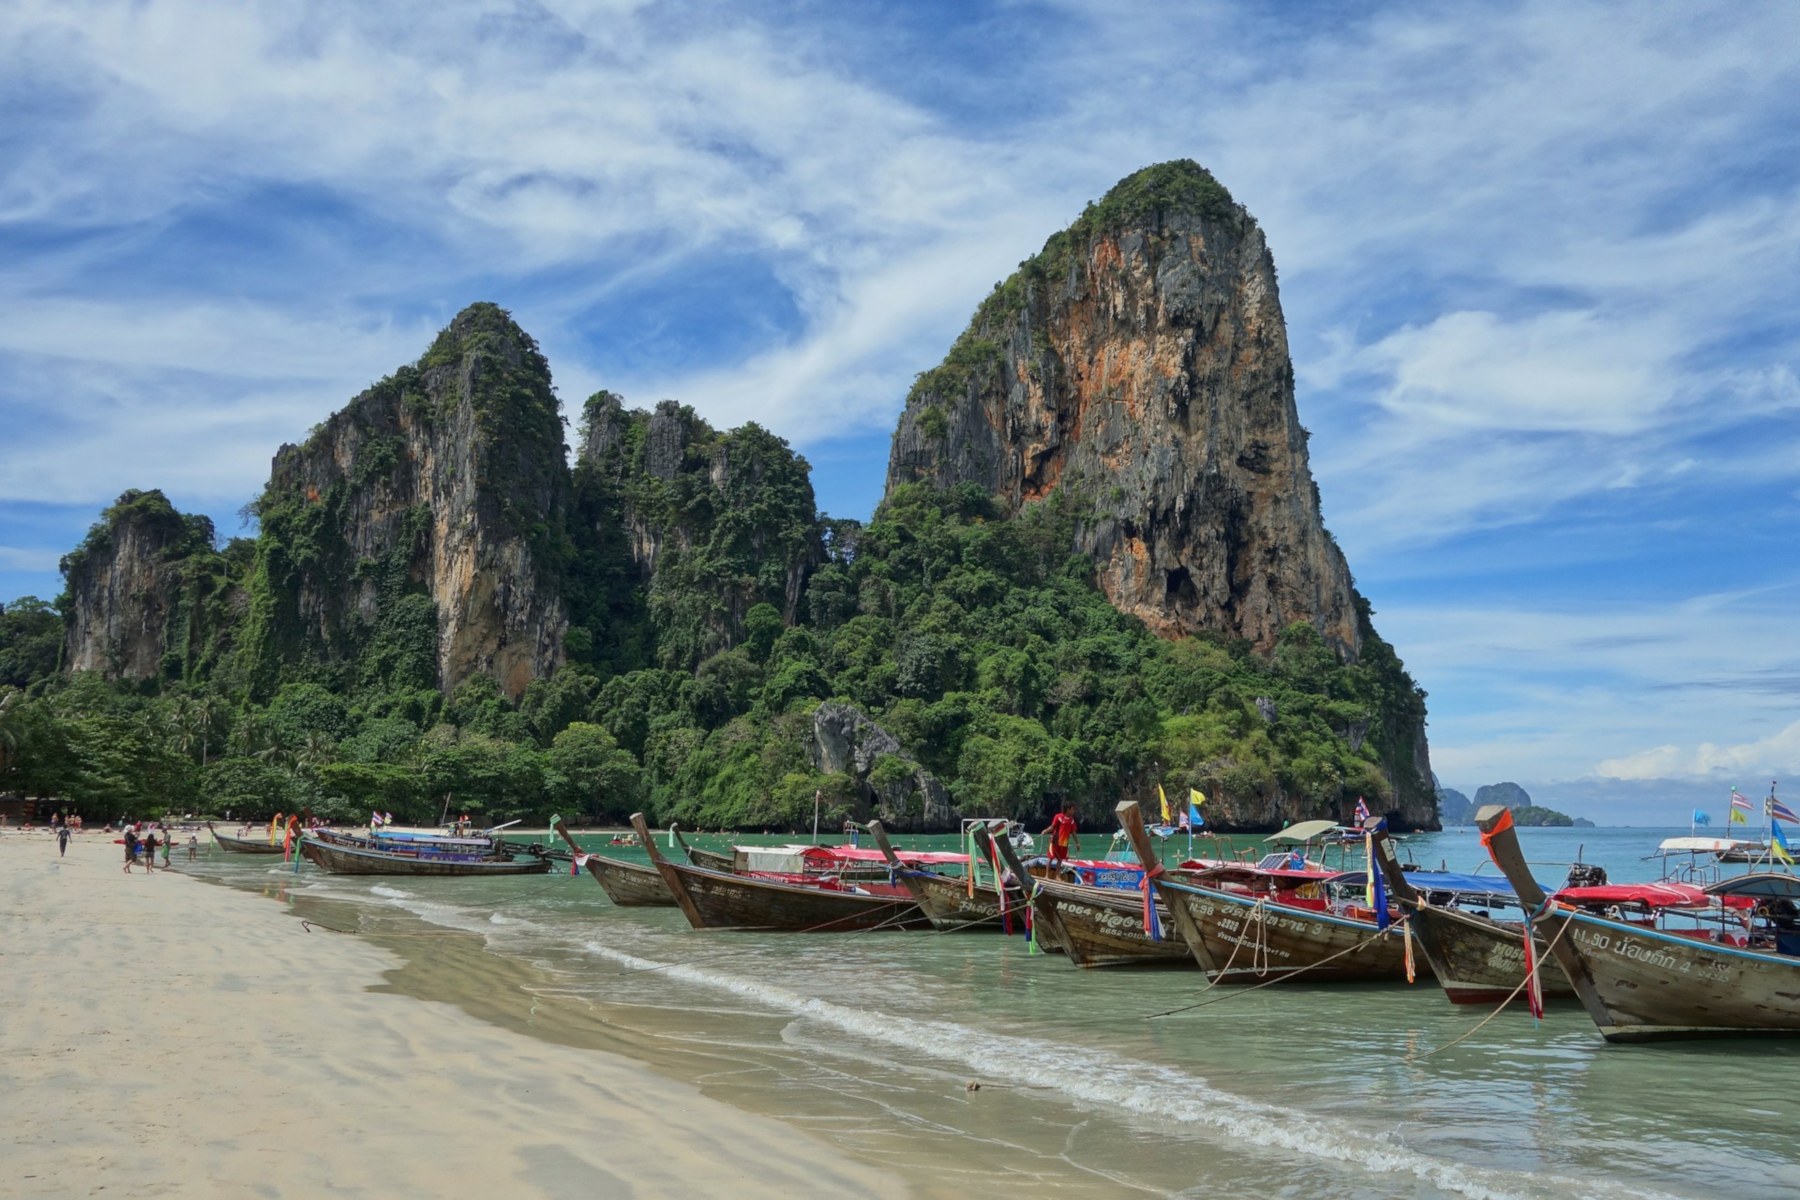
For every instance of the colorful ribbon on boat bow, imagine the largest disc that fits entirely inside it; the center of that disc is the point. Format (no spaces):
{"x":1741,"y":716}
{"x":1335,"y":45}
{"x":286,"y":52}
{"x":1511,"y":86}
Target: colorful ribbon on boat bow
{"x":1152,"y":925}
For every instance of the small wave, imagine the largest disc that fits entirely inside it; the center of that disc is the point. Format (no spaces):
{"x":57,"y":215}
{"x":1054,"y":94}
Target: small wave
{"x":1145,"y":1089}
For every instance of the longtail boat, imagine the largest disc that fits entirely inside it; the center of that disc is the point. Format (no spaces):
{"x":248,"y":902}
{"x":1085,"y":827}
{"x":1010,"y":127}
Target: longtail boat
{"x":343,"y":855}
{"x":1269,"y":932}
{"x":949,"y":902}
{"x":626,"y":884}
{"x":1476,"y":959}
{"x":712,"y":899}
{"x":1642,"y":984}
{"x":711,"y":859}
{"x":239,"y":845}
{"x":1094,"y":926}
{"x":1104,"y":927}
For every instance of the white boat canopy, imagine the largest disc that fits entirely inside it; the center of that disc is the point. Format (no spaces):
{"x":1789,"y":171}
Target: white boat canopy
{"x":1305,"y":831}
{"x":1703,"y":845}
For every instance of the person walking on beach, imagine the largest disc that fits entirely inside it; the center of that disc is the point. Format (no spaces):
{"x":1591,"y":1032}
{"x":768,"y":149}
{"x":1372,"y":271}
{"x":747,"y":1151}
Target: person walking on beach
{"x":131,"y":848}
{"x":168,"y":843}
{"x":193,"y":846}
{"x":150,"y":852}
{"x":62,"y":841}
{"x":1062,"y":833}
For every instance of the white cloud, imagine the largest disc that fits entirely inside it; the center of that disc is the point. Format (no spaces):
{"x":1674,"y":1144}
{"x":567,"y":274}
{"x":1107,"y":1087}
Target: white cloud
{"x":1524,"y":690}
{"x":1557,"y":372}
{"x":1776,"y":755}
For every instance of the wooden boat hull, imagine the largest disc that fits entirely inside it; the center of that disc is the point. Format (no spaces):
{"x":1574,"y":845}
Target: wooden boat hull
{"x":950,"y":905}
{"x":711,"y":859}
{"x":1104,"y":927}
{"x":1478,"y":960}
{"x":1248,"y":941}
{"x":720,"y":900}
{"x":238,"y":845}
{"x":1650,"y":986}
{"x":630,"y":885}
{"x":350,"y":860}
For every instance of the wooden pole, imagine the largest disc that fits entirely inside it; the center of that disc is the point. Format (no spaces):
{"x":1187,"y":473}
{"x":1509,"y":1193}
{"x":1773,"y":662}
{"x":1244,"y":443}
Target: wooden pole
{"x":1385,"y":858}
{"x":1494,"y":821}
{"x":1131,"y":820}
{"x":1043,"y":909}
{"x":672,"y":877}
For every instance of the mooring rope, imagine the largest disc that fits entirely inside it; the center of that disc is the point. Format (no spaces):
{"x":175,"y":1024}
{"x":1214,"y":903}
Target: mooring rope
{"x":1377,"y":935}
{"x":1537,"y":967}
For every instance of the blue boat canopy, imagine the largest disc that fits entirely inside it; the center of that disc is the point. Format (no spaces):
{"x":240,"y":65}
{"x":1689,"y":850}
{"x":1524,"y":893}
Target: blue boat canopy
{"x":1444,"y":881}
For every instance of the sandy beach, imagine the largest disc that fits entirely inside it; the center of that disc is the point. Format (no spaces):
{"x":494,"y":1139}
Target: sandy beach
{"x":167,"y":1037}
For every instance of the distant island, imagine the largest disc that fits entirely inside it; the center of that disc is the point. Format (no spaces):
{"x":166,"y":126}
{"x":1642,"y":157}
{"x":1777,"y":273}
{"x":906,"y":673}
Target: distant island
{"x":1454,"y":808}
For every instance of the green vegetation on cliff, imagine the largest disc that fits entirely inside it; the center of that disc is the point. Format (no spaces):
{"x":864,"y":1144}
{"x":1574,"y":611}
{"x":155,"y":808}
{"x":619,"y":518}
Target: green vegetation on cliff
{"x":980,"y":643}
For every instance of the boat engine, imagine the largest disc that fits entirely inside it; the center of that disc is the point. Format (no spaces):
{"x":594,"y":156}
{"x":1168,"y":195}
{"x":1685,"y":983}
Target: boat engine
{"x":1586,"y":875}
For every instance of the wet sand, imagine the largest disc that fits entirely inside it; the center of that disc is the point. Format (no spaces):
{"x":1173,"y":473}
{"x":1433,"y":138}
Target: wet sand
{"x":165,"y":1037}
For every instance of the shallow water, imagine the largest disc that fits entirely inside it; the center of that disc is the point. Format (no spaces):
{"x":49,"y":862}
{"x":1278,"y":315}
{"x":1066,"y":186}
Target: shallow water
{"x":871,"y":1040}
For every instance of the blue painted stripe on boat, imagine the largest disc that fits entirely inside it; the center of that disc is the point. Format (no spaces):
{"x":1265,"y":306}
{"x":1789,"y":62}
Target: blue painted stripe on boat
{"x":1677,"y":940}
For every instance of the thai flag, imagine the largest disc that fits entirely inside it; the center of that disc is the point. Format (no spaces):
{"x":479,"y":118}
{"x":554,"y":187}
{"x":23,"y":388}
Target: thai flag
{"x":1741,"y":802}
{"x":1362,"y":811}
{"x":1782,"y":812}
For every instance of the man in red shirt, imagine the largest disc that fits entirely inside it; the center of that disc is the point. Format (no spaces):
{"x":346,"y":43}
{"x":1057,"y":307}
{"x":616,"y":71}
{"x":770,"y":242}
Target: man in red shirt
{"x":1062,"y":833}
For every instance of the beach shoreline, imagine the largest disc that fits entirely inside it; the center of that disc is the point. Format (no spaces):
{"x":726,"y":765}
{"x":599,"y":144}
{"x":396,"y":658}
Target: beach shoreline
{"x":167,"y":1038}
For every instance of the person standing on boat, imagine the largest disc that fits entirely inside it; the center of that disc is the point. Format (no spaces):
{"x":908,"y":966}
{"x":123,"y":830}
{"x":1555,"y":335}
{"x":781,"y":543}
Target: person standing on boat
{"x":1062,"y":833}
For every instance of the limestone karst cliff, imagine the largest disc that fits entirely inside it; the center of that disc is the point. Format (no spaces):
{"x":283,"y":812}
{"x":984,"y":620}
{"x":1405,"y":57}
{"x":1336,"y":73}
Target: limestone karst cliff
{"x":144,"y":592}
{"x":1141,"y":360}
{"x":1139,"y":364}
{"x":429,"y":508}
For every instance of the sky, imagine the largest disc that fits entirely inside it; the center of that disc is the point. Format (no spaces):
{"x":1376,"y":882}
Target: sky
{"x":1540,"y":264}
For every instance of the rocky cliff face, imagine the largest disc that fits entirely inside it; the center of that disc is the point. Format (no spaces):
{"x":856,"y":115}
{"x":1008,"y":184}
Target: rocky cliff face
{"x":1141,"y":362}
{"x":893,"y":786}
{"x":1139,"y":365}
{"x":445,"y":480}
{"x":127,"y":584}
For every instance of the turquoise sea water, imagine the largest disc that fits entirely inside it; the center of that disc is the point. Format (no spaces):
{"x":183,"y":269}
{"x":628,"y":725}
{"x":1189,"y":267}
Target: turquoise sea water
{"x":872,"y":1041}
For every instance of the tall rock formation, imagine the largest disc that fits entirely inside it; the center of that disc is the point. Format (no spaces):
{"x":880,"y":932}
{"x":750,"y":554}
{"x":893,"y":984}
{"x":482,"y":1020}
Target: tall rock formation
{"x":132,"y":598}
{"x":714,"y":523}
{"x":1139,"y":364}
{"x":442,"y":483}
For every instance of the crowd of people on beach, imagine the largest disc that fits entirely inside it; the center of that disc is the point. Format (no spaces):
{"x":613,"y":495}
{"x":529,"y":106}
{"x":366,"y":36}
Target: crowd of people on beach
{"x":141,"y":839}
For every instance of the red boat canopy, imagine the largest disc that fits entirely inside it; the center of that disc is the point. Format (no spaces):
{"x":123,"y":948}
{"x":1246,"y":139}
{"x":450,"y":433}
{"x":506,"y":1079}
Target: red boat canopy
{"x":931,"y":858}
{"x":1649,"y":895}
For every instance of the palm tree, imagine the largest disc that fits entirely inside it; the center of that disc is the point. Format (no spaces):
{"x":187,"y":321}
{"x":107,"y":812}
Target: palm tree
{"x":12,"y":730}
{"x":206,"y":712}
{"x":315,"y":750}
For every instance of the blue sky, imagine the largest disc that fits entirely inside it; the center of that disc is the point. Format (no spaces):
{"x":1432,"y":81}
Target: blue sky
{"x":1539,"y":264}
